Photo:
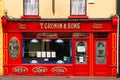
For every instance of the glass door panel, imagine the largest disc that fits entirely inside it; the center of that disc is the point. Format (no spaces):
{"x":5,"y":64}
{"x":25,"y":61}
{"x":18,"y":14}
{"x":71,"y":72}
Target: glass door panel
{"x":81,"y":52}
{"x":100,"y":52}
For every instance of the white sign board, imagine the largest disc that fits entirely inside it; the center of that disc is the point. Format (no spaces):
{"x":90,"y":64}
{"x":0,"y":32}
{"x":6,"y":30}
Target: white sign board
{"x":80,"y":48}
{"x":38,"y":54}
{"x":48,"y":54}
{"x":43,"y":54}
{"x":53,"y":54}
{"x":81,"y":59}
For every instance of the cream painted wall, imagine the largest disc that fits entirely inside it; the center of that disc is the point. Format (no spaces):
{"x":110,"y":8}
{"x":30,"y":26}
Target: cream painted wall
{"x":1,"y":39}
{"x":62,"y":9}
{"x":45,"y":8}
{"x":100,"y":9}
{"x":14,"y":8}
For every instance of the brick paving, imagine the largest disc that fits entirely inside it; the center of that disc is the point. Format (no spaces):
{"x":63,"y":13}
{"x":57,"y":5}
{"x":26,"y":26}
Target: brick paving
{"x":55,"y":78}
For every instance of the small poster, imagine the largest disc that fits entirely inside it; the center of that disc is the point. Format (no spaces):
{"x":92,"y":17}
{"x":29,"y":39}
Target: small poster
{"x":48,"y":55}
{"x":43,"y":54}
{"x":80,"y":48}
{"x":53,"y":54}
{"x":81,"y":59}
{"x":38,"y":54}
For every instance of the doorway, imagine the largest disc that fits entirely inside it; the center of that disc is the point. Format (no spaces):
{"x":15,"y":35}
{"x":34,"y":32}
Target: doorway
{"x":81,"y":58}
{"x":91,"y":55}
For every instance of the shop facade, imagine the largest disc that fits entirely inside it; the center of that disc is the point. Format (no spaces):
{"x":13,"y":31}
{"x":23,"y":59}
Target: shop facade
{"x":60,"y":47}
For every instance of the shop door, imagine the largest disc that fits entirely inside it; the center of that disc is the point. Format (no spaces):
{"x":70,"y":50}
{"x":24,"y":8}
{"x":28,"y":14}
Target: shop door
{"x":101,"y":51}
{"x":81,"y":58}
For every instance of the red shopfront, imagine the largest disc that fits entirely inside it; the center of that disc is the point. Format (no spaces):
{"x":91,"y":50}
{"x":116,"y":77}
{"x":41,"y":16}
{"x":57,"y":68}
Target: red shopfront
{"x":60,"y":47}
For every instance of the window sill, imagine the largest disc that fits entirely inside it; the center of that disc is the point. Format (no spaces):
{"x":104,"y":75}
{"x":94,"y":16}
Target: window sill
{"x":30,"y":17}
{"x":77,"y":17}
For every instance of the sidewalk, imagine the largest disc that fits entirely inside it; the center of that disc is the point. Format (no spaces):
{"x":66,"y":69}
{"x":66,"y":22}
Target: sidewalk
{"x":55,"y":78}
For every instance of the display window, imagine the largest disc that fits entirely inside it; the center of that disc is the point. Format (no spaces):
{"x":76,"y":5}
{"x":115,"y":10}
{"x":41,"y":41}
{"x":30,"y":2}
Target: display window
{"x":46,"y":48}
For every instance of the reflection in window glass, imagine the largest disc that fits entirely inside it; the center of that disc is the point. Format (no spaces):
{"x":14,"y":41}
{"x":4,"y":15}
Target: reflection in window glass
{"x":101,"y":52}
{"x":47,"y":51}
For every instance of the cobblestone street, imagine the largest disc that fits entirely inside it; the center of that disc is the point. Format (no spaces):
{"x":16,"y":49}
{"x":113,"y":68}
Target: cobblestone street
{"x":55,"y":78}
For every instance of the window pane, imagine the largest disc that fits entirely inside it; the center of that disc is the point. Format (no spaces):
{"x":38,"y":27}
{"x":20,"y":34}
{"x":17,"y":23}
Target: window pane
{"x":31,"y":7}
{"x":81,"y":35}
{"x":101,"y":35}
{"x":81,"y":52}
{"x":14,"y":47}
{"x":47,"y":51}
{"x":78,"y":7}
{"x":64,"y":35}
{"x":29,"y":35}
{"x":101,"y":52}
{"x":47,"y":35}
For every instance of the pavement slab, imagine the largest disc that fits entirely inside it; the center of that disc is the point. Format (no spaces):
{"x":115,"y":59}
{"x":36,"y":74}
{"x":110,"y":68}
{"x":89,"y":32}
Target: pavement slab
{"x":55,"y":78}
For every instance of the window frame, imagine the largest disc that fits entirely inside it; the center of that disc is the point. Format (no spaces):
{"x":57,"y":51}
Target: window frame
{"x":30,"y":16}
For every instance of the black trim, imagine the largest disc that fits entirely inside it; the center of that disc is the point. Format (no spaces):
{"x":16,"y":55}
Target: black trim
{"x":57,"y":19}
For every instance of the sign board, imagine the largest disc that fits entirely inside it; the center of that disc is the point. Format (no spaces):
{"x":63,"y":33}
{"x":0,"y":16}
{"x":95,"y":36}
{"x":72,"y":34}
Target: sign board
{"x":80,"y":48}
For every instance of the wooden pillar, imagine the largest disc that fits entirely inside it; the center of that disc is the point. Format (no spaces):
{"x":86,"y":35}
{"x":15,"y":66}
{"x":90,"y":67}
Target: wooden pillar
{"x":91,"y":54}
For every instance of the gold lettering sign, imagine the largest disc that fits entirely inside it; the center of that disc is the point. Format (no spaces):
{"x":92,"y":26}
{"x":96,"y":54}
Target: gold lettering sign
{"x":60,"y":25}
{"x":20,"y":70}
{"x":97,"y":26}
{"x":59,"y":70}
{"x":39,"y":70}
{"x":21,"y":26}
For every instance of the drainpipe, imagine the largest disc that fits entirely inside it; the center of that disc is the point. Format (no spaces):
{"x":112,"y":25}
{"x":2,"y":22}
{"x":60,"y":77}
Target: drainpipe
{"x":118,"y":72}
{"x":118,"y":12}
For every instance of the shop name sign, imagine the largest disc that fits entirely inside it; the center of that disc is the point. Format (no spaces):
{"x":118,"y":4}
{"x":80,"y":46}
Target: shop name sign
{"x":97,"y":26}
{"x":60,"y":26}
{"x":22,"y":26}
